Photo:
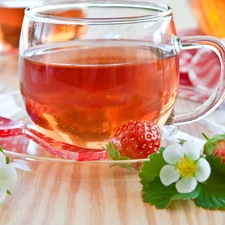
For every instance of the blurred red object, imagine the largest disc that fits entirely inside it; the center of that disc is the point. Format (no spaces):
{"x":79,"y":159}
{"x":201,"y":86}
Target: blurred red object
{"x":199,"y":69}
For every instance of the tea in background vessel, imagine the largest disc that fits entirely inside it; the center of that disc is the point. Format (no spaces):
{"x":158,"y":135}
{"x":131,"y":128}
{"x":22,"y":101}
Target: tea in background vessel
{"x":11,"y":18}
{"x":210,"y":16}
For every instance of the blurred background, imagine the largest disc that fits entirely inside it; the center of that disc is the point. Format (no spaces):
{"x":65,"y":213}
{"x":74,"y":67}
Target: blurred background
{"x":183,"y":13}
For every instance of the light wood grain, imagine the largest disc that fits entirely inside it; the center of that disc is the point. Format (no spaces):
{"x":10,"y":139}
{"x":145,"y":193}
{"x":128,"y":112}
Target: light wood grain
{"x":68,"y":194}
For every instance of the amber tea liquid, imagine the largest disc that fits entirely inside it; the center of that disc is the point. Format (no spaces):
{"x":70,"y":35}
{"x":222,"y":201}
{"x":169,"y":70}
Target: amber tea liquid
{"x":86,"y":92}
{"x":11,"y":17}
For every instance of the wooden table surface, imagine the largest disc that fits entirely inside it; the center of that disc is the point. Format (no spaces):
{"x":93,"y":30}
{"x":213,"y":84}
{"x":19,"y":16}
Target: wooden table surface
{"x":85,"y":194}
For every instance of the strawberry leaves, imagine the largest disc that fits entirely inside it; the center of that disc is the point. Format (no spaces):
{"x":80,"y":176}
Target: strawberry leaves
{"x":115,"y":155}
{"x":162,"y":196}
{"x":154,"y":165}
{"x":153,"y":191}
{"x":212,"y":194}
{"x":209,"y":194}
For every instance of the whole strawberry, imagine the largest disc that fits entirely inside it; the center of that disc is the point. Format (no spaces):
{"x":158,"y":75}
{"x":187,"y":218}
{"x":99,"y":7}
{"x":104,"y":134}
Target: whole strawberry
{"x":135,"y":140}
{"x":215,"y":145}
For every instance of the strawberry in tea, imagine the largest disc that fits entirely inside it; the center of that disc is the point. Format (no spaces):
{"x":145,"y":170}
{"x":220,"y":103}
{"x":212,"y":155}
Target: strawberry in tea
{"x":85,"y":92}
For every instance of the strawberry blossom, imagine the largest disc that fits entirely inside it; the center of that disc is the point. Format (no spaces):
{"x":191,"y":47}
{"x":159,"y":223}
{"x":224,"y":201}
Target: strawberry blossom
{"x":8,"y":177}
{"x":186,"y":166}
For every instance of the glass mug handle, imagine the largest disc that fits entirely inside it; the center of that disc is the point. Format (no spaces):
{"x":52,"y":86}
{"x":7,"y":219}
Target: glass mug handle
{"x":194,"y":42}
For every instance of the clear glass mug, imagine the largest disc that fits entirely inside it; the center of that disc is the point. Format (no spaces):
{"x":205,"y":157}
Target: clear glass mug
{"x":11,"y":18}
{"x":83,"y":76}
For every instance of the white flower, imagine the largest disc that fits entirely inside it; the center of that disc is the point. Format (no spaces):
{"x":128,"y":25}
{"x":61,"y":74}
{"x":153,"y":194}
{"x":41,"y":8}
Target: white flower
{"x":8,"y":177}
{"x":185,"y":166}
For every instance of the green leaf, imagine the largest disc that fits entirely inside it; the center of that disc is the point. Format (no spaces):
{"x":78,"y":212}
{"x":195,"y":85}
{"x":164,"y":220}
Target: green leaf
{"x":217,"y":137}
{"x":7,"y":160}
{"x":151,"y":168}
{"x":157,"y":194}
{"x":113,"y":153}
{"x":212,"y":194}
{"x":161,"y":150}
{"x":162,"y":196}
{"x":208,"y":148}
{"x":1,"y":150}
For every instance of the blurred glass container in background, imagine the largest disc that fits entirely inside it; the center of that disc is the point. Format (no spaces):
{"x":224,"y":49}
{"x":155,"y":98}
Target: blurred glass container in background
{"x":11,"y":17}
{"x":210,"y":15}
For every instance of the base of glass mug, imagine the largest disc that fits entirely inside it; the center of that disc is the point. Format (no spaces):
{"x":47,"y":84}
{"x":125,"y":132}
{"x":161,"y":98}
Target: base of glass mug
{"x":168,"y":131}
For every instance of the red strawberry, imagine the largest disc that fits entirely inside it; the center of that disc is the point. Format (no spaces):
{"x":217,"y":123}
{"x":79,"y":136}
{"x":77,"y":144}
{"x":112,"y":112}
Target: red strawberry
{"x":135,"y":140}
{"x":215,"y":145}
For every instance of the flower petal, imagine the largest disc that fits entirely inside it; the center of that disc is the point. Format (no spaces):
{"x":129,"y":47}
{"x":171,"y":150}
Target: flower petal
{"x":169,"y":175}
{"x":2,"y":159}
{"x":203,"y":170}
{"x":186,"y":184}
{"x":173,"y":153}
{"x":2,"y":194}
{"x":192,"y":150}
{"x":8,"y":176}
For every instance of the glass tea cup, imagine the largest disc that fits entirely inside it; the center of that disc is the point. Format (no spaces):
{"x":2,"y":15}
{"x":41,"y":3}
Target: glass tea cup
{"x":11,"y":18}
{"x":87,"y":67}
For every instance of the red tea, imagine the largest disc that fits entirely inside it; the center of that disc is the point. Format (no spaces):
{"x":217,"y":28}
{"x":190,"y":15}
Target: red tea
{"x":85,"y":93}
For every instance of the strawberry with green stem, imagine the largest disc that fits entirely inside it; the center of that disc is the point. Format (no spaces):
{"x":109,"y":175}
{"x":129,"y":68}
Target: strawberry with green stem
{"x":135,"y":140}
{"x":215,"y":145}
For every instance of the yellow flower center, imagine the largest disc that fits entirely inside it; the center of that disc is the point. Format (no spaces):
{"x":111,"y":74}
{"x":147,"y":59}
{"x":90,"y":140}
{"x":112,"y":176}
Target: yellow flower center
{"x":186,"y":167}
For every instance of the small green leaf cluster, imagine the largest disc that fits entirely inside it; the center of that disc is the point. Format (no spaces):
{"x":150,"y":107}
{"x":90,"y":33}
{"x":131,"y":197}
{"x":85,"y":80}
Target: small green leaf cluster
{"x":115,"y":155}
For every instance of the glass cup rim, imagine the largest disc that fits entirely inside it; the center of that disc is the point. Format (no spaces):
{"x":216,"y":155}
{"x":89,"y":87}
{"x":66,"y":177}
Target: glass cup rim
{"x":35,"y":13}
